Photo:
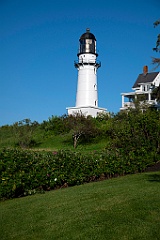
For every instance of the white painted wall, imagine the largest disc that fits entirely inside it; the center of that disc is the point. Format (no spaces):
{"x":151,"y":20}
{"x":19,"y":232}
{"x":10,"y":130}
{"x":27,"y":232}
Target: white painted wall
{"x":157,"y":80}
{"x":92,"y":111}
{"x":87,"y":86}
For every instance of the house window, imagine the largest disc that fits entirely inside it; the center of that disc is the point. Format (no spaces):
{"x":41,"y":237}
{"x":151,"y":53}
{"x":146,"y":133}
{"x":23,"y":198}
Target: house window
{"x":148,"y":87}
{"x":143,"y":88}
{"x":153,"y":97}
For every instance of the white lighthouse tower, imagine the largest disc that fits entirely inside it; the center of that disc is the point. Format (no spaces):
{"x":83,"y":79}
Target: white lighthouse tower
{"x":87,"y":65}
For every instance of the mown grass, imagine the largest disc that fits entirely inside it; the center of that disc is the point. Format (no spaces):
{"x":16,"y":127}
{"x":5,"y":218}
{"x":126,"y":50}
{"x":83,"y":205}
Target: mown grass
{"x":122,"y":208}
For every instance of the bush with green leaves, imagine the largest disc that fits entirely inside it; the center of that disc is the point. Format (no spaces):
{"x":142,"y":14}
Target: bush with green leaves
{"x":23,"y":132}
{"x":25,"y":172}
{"x":136,"y":130}
{"x":80,"y":128}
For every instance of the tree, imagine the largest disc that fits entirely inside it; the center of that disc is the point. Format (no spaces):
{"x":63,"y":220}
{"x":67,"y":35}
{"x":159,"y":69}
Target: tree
{"x":55,"y":125}
{"x":134,"y":132}
{"x":23,"y":132}
{"x":156,"y":93}
{"x":81,"y":127}
{"x":157,"y":47}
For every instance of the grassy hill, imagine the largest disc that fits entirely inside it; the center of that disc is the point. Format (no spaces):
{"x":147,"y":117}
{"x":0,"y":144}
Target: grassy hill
{"x":129,"y":131}
{"x":49,"y":141}
{"x":121,"y":208}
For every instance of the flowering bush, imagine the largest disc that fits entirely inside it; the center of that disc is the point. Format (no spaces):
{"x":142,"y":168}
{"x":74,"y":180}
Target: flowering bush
{"x":25,"y":172}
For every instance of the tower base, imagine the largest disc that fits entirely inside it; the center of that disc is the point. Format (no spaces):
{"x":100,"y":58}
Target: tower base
{"x":86,"y":111}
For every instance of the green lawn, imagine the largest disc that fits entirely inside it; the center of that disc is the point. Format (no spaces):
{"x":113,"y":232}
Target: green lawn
{"x":66,"y":142}
{"x":51,"y":142}
{"x":122,"y":208}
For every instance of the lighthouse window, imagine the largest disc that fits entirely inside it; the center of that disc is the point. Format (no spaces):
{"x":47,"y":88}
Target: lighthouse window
{"x":89,"y":41}
{"x":95,"y":87}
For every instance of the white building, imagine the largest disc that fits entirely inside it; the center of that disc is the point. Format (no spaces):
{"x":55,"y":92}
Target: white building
{"x":87,"y":66}
{"x":142,"y":89}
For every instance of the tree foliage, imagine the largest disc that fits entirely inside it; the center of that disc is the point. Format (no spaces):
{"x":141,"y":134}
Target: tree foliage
{"x":23,"y":132}
{"x":157,"y":47}
{"x":55,"y":125}
{"x":129,"y":131}
{"x":82,"y":128}
{"x":156,"y":93}
{"x":79,"y":127}
{"x":133,"y":132}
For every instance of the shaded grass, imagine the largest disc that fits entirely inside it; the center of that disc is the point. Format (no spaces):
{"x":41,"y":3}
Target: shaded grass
{"x":56,"y":143}
{"x":122,"y":208}
{"x":65,"y":142}
{"x":50,"y":141}
{"x":6,"y":137}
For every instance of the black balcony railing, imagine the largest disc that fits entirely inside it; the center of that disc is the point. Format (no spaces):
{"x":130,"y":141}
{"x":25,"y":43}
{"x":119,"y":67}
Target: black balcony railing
{"x":89,"y":62}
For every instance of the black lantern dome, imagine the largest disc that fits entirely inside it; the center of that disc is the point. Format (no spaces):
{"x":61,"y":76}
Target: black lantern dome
{"x":87,"y":35}
{"x":87,"y":43}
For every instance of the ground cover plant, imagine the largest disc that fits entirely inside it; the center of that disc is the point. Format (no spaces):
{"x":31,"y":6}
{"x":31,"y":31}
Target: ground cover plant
{"x":122,"y":208}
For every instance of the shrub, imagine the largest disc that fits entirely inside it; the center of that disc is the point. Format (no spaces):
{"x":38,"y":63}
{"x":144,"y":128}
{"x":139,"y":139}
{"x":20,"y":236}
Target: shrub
{"x":25,"y":172}
{"x":23,"y":133}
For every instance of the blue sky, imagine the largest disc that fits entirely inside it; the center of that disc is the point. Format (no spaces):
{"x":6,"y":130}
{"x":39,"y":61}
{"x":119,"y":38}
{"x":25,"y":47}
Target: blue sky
{"x":39,"y":41}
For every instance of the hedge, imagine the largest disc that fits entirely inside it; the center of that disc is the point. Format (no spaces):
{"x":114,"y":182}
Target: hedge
{"x":25,"y":172}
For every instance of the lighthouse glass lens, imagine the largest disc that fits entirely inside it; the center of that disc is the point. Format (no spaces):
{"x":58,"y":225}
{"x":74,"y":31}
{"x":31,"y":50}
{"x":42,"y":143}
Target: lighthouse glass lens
{"x":87,"y":46}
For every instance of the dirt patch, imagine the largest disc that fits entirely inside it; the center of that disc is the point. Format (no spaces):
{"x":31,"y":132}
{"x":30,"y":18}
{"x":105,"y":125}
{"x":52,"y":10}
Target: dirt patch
{"x":154,"y":168}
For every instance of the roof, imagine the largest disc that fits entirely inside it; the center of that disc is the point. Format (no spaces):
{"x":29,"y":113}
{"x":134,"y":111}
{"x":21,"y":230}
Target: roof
{"x":145,"y":78}
{"x":87,"y":35}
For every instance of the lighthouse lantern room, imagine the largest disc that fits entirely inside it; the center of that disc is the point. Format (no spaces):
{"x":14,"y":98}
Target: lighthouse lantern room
{"x":87,"y":65}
